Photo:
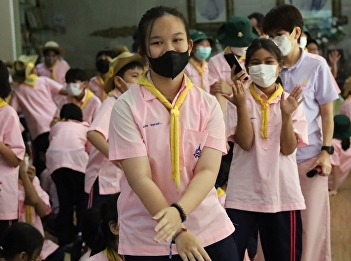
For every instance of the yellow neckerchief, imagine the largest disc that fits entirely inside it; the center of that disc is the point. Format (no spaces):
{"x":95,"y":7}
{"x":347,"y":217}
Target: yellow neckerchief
{"x":101,"y":81}
{"x":88,"y":96}
{"x":51,"y":69}
{"x":264,"y":107}
{"x":31,"y":80}
{"x":349,"y":97}
{"x":201,"y":71}
{"x":220,"y":192}
{"x":174,"y":128}
{"x":29,"y":214}
{"x":112,"y":255}
{"x":2,"y":103}
{"x":228,"y":50}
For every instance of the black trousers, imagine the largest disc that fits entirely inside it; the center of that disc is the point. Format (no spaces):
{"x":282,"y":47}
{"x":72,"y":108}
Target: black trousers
{"x":40,"y":146}
{"x":4,"y":225}
{"x":280,"y":233}
{"x":95,"y":198}
{"x":224,"y":250}
{"x":72,"y":197}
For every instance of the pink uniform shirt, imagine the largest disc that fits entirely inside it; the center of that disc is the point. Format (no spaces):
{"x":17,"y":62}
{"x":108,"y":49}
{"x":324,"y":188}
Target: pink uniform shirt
{"x":195,"y":76}
{"x":140,"y":126}
{"x":67,"y":148}
{"x":98,"y":165}
{"x":59,"y":73}
{"x":263,"y":179}
{"x":49,"y":247}
{"x":96,"y":87}
{"x":89,"y":110}
{"x":342,"y":159}
{"x":10,"y":135}
{"x":346,"y":108}
{"x":36,"y":104}
{"x":98,"y":257}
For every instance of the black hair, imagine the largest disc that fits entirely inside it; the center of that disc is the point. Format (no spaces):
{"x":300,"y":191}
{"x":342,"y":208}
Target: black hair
{"x":108,"y":211}
{"x":107,"y":52}
{"x":283,"y":17}
{"x":262,"y":43}
{"x":45,"y":52}
{"x":223,"y":174}
{"x":345,"y":144}
{"x":259,"y":18}
{"x":310,"y":40}
{"x":76,"y":74}
{"x":71,"y":111}
{"x":148,"y":19}
{"x":127,"y":67}
{"x":5,"y":88}
{"x":21,"y":237}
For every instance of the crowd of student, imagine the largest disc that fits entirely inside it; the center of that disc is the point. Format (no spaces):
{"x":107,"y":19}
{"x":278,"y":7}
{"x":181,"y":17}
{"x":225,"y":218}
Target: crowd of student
{"x":201,"y":157}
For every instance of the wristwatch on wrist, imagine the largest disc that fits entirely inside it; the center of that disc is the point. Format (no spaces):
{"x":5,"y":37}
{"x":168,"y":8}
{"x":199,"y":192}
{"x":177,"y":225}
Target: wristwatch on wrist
{"x":329,"y":149}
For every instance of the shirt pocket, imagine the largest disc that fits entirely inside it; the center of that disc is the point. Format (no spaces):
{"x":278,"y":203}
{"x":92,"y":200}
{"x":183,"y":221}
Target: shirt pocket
{"x":193,"y":143}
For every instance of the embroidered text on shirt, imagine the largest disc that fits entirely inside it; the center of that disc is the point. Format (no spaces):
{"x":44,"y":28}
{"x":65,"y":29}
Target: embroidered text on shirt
{"x":198,"y":151}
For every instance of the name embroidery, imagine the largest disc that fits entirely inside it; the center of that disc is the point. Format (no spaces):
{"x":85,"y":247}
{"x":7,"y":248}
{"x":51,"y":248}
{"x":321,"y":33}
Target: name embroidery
{"x":152,"y":124}
{"x":197,"y":153}
{"x":304,"y":85}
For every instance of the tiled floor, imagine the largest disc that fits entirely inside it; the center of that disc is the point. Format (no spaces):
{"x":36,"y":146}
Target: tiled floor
{"x":341,"y":222}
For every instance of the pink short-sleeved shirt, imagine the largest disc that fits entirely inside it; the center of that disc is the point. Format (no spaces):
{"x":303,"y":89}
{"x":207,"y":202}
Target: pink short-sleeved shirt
{"x":341,"y":158}
{"x":89,"y":110}
{"x":98,"y":257}
{"x":49,"y":247}
{"x":263,"y":179}
{"x":36,"y":104}
{"x":11,"y":136}
{"x":98,"y":165}
{"x":139,"y":126}
{"x":195,"y":76}
{"x":67,"y":147}
{"x":346,"y":108}
{"x":96,"y":87}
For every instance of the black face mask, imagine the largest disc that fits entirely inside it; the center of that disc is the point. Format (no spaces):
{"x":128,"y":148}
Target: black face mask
{"x":102,"y":65}
{"x":170,"y":64}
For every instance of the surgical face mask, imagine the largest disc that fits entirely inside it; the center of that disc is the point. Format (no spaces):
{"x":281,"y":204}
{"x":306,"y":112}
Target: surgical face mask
{"x":169,"y":64}
{"x":303,"y":42}
{"x":202,"y":53}
{"x":74,"y":89}
{"x":239,"y":51}
{"x":283,"y":44}
{"x":126,"y":83}
{"x":263,"y":75}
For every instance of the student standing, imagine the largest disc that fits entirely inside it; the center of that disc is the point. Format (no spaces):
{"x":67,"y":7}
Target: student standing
{"x":169,"y":138}
{"x":197,"y":68}
{"x":313,"y":75}
{"x":11,"y":154}
{"x":102,"y":176}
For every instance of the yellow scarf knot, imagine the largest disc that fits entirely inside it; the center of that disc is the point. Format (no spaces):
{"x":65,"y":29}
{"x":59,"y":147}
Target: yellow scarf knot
{"x":265,"y":107}
{"x":174,"y":122}
{"x":2,"y":103}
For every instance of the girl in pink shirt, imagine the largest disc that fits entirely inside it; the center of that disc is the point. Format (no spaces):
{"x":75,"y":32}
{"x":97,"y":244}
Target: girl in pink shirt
{"x":263,"y":188}
{"x":11,"y":154}
{"x":341,"y":159}
{"x":169,"y":137}
{"x":66,"y":159}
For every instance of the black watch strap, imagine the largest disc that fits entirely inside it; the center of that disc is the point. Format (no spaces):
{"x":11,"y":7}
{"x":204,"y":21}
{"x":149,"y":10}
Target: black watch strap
{"x":329,"y":149}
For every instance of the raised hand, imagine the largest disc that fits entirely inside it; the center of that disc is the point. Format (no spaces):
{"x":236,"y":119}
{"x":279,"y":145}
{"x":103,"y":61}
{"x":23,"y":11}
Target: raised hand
{"x":239,"y":95}
{"x":334,"y":57}
{"x":289,"y":105}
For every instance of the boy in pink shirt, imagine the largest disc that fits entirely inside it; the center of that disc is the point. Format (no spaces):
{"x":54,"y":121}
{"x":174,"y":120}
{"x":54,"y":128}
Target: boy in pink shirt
{"x":34,"y":98}
{"x":11,"y":154}
{"x":197,"y":68}
{"x":33,"y":205}
{"x":102,"y":60}
{"x":79,"y":94}
{"x":263,"y":189}
{"x":66,"y":159}
{"x":312,"y":73}
{"x":102,"y":176}
{"x":341,"y":159}
{"x":169,"y":137}
{"x":53,"y":67}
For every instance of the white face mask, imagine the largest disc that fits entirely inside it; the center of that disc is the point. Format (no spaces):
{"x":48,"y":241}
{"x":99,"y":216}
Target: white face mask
{"x":303,"y":42}
{"x":74,"y":89}
{"x":263,"y":75}
{"x":283,"y":43}
{"x":239,"y":51}
{"x":127,"y":84}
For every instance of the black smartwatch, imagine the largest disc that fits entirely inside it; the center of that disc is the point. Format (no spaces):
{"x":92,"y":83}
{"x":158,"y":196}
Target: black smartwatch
{"x":329,"y":149}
